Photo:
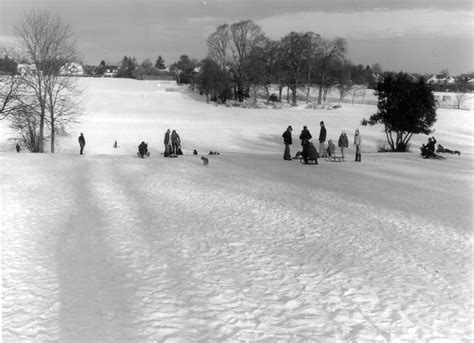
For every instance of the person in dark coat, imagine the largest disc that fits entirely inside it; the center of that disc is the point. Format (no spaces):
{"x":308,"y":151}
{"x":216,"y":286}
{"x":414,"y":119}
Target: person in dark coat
{"x":82,"y":143}
{"x":428,"y":150}
{"x":166,"y":141}
{"x":322,"y":139}
{"x":312,"y":153}
{"x":343,"y":142}
{"x":143,"y":150}
{"x":18,"y":148}
{"x":287,"y":140}
{"x":305,"y":136}
{"x":175,"y":142}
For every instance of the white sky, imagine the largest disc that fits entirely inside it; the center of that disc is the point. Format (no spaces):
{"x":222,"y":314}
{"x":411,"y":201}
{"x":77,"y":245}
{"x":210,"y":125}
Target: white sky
{"x":417,"y":36}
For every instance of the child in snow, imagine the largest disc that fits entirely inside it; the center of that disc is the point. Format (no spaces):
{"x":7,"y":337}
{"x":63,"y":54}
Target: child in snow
{"x":357,"y":143}
{"x":331,"y":150}
{"x":449,"y":151}
{"x":312,"y":153}
{"x":143,"y":150}
{"x":428,"y":150}
{"x":305,"y":136}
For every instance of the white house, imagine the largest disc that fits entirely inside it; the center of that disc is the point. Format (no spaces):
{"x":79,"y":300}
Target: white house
{"x":111,"y":71}
{"x":441,"y":79}
{"x":74,"y":69}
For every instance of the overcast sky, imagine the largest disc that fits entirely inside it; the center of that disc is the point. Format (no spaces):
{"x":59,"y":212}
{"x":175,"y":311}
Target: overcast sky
{"x":423,"y":36}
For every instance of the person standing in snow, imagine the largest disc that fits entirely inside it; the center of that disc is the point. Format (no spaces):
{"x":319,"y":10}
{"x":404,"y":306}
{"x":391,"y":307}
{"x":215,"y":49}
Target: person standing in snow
{"x":305,"y":136}
{"x":167,"y":142}
{"x":18,"y":148}
{"x":175,"y":141}
{"x":82,"y":143}
{"x":357,"y":143}
{"x":322,"y":139}
{"x":287,"y":140}
{"x":343,"y":142}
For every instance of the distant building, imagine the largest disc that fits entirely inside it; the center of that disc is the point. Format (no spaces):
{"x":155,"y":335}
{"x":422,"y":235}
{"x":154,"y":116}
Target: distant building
{"x":441,"y":79}
{"x":25,"y":68}
{"x":111,"y":71}
{"x":73,"y":69}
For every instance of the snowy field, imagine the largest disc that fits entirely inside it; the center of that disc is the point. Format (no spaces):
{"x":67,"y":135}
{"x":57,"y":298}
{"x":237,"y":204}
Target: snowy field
{"x":106,"y":247}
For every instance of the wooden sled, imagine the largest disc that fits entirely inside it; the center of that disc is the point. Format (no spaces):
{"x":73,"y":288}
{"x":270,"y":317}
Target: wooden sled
{"x":334,"y":158}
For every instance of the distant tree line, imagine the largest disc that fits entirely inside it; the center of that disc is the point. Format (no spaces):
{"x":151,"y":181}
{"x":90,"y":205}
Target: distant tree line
{"x":242,"y":60}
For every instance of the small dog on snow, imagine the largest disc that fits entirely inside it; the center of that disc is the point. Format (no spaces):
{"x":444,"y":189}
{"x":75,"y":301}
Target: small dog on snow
{"x":205,"y":160}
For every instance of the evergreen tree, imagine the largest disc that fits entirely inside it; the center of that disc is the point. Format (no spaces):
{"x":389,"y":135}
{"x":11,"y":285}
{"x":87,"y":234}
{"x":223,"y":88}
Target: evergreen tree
{"x":127,"y":68}
{"x":214,"y":81}
{"x":101,"y":69}
{"x":8,"y":65}
{"x":160,"y":63}
{"x":405,"y":107}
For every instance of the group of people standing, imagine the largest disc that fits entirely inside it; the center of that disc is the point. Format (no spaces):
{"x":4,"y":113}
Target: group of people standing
{"x":309,"y":150}
{"x":174,"y":148}
{"x":172,"y":143}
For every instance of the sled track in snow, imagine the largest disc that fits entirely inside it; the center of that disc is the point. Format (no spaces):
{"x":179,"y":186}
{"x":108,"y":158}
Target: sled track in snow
{"x":230,"y":258}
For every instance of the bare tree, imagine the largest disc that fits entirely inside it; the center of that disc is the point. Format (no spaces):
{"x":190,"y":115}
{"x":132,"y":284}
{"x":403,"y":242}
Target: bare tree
{"x":25,"y":120}
{"x":10,"y":86}
{"x":329,"y":50}
{"x":356,"y":91}
{"x":231,"y":46}
{"x":312,"y":54}
{"x":48,"y":43}
{"x":218,"y":43}
{"x":461,"y":98}
{"x":64,"y":107}
{"x":10,"y":90}
{"x":245,"y":36}
{"x":296,"y":51}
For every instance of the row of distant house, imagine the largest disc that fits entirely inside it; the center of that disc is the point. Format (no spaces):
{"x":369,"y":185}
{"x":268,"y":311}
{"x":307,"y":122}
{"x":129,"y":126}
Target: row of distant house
{"x":72,"y":69}
{"x":76,"y":69}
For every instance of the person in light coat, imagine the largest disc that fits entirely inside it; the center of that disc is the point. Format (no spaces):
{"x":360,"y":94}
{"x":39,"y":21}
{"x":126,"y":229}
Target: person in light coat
{"x":357,"y":143}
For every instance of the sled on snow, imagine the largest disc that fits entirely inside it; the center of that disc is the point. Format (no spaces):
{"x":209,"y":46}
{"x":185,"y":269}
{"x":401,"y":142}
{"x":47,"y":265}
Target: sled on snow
{"x":147,"y":154}
{"x":435,"y":157}
{"x":334,"y":158}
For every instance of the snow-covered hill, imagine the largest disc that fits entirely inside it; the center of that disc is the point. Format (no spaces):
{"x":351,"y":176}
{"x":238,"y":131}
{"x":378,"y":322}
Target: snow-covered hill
{"x":108,"y":247}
